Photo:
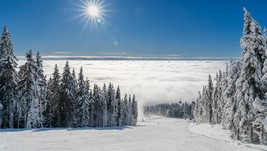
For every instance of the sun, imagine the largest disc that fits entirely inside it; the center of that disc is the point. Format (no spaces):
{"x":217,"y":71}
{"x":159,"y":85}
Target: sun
{"x":93,"y":11}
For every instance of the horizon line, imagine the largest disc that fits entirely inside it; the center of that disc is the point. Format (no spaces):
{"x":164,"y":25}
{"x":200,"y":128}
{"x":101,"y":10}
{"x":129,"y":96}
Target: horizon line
{"x":103,"y":57}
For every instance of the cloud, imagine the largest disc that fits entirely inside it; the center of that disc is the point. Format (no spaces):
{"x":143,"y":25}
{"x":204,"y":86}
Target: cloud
{"x":151,"y":81}
{"x":114,"y":53}
{"x":62,"y":52}
{"x":173,"y":55}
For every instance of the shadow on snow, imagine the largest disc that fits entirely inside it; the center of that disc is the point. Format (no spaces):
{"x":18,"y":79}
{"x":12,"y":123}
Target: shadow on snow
{"x":69,"y":129}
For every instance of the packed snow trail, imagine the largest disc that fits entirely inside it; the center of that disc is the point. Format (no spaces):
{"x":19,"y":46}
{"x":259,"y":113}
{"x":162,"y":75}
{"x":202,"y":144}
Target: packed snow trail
{"x":155,"y":134}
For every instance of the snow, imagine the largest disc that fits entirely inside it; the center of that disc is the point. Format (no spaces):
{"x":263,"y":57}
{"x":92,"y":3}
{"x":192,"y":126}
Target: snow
{"x":213,"y":131}
{"x":156,"y":133}
{"x":218,"y":133}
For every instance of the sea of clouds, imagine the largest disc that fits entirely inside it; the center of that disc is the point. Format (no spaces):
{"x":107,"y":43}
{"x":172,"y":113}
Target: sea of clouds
{"x":151,"y":81}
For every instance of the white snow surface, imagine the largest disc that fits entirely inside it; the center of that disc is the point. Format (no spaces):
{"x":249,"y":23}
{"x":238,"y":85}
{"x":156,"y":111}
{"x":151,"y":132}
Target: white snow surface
{"x":218,"y":133}
{"x":155,"y":134}
{"x":213,"y":131}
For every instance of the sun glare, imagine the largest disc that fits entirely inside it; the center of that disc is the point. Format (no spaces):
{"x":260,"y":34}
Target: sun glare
{"x":93,"y":11}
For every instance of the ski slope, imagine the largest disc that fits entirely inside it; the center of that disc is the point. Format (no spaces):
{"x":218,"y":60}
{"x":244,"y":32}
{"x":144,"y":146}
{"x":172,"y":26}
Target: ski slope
{"x":155,"y":134}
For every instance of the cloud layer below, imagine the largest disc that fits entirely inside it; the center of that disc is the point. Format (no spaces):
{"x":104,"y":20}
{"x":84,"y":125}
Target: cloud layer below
{"x":151,"y":81}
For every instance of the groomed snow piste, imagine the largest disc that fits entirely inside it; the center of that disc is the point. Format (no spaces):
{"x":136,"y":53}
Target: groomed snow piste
{"x":155,"y":134}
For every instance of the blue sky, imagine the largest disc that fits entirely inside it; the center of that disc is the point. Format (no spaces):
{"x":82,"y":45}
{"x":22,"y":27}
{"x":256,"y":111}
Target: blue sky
{"x":189,"y":28}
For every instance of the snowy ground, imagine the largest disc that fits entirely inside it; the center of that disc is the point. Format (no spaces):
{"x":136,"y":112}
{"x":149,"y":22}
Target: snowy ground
{"x":217,"y":132}
{"x":155,"y":134}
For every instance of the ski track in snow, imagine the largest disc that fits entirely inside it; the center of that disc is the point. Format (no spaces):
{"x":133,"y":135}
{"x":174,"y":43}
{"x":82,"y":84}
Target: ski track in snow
{"x":155,"y":134}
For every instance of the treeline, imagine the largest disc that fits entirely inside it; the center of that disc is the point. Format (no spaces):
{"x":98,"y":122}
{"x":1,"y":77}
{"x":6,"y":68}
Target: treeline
{"x":238,"y":99}
{"x":28,"y":100}
{"x":178,"y":110}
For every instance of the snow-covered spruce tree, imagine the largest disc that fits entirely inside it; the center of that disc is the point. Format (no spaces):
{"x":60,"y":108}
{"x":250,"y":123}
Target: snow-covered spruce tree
{"x":201,"y":110}
{"x":222,"y":99}
{"x":1,"y":108}
{"x":28,"y":91}
{"x":118,"y":98}
{"x":83,"y":98}
{"x":217,"y":93}
{"x":91,"y":108}
{"x":130,"y":112}
{"x":249,"y":83}
{"x":114,"y":105}
{"x":104,"y":99}
{"x":207,"y":101}
{"x":8,"y":80}
{"x":42,"y":91}
{"x":202,"y":107}
{"x":198,"y":111}
{"x":260,"y":105}
{"x":103,"y":107}
{"x":75,"y":81}
{"x":230,"y":107}
{"x":98,"y":114}
{"x":134,"y":111}
{"x":54,"y":104}
{"x":67,"y":97}
{"x":47,"y":112}
{"x":124,"y":110}
{"x":192,"y":107}
{"x":111,"y":106}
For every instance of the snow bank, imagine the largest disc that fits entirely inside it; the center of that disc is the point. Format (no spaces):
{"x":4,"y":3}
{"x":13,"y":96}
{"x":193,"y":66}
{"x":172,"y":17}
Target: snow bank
{"x":213,"y":131}
{"x":217,"y":132}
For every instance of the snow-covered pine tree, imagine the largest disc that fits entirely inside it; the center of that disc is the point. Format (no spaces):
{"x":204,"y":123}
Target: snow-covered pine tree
{"x":68,"y":85}
{"x":125,"y":110}
{"x":104,"y":110}
{"x":83,"y":98}
{"x":42,"y":90}
{"x":98,"y":114}
{"x":230,"y":107}
{"x":260,"y":105}
{"x":196,"y":110}
{"x":130,"y":112}
{"x":248,"y":84}
{"x":207,"y":98}
{"x":8,"y":80}
{"x":222,"y":98}
{"x":1,"y":110}
{"x":75,"y":101}
{"x":74,"y":80}
{"x":215,"y":98}
{"x":104,"y":98}
{"x":28,"y":91}
{"x":134,"y":111}
{"x":54,"y":104}
{"x":192,"y":107}
{"x":118,"y":98}
{"x":47,"y":112}
{"x":111,"y":106}
{"x":91,"y":109}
